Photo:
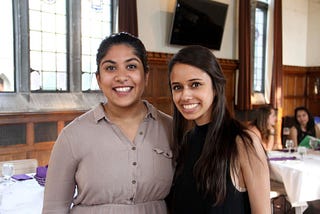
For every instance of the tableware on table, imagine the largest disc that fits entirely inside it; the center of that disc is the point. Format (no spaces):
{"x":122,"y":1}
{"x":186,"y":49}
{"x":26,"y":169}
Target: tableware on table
{"x":286,"y":131}
{"x":302,"y":151}
{"x":41,"y":174}
{"x":289,"y":145}
{"x":7,"y":171}
{"x":313,"y":143}
{"x":21,"y":177}
{"x":282,"y":158}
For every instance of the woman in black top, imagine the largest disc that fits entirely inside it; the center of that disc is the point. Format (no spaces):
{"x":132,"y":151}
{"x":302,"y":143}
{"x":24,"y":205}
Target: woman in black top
{"x":304,"y":125}
{"x":221,"y":165}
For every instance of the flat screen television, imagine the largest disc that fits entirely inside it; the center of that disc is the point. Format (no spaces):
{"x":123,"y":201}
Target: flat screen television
{"x":198,"y":22}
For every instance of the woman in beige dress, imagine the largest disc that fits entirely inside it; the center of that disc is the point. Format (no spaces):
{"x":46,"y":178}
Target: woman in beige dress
{"x":116,"y":158}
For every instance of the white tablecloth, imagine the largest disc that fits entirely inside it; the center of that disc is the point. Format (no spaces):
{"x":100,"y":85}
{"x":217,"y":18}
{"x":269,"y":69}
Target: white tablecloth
{"x":21,"y":197}
{"x":301,"y":178}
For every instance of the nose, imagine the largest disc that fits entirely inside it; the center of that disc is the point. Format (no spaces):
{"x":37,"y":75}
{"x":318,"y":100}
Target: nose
{"x":121,"y":76}
{"x":186,"y":94}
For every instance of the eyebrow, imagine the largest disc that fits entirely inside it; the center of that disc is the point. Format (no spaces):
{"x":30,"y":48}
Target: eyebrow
{"x":127,"y":60}
{"x":191,"y":80}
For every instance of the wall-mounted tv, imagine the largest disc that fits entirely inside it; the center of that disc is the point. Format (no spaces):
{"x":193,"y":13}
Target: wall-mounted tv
{"x":198,"y":22}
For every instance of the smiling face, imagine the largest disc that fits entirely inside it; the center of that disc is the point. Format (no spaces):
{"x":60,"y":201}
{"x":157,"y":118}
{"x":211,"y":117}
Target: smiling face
{"x":121,"y":76}
{"x":192,"y":93}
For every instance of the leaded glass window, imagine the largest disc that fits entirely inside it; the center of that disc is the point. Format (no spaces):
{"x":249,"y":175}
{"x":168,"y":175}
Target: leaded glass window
{"x":96,"y":22}
{"x":7,"y":46}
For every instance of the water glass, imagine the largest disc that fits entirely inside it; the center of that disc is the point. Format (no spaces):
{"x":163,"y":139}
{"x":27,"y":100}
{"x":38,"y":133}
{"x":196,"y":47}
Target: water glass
{"x":289,"y":144}
{"x":313,"y":143}
{"x":302,"y":151}
{"x":7,"y":171}
{"x":286,"y":131}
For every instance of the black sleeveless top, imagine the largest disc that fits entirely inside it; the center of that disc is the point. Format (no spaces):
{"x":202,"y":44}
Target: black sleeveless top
{"x":302,"y":134}
{"x":185,"y":198}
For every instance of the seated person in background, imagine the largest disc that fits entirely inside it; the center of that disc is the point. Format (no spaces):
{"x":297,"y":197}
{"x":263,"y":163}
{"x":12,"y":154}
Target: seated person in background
{"x":304,"y":126}
{"x":264,"y":126}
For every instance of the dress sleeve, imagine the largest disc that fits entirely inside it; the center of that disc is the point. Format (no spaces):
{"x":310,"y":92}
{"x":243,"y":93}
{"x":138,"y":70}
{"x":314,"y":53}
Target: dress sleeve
{"x":60,"y":180}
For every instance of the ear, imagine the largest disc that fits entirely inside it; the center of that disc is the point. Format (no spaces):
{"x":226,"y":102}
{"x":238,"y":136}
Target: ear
{"x":98,"y":79}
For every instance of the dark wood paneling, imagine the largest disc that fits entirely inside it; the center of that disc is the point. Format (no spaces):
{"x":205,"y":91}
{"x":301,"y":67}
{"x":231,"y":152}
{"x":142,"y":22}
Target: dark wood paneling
{"x":36,"y":124}
{"x":298,"y":89}
{"x":313,"y":101}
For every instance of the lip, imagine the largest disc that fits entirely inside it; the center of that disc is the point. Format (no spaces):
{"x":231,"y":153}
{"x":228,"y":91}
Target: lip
{"x":122,"y":90}
{"x":189,"y":107}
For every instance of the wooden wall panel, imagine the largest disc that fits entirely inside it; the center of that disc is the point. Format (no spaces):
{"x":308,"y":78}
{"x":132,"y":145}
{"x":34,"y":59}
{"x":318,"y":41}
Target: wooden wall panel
{"x":31,"y":149}
{"x":298,"y":89}
{"x":293,"y":87}
{"x":313,"y":101}
{"x":229,"y":68}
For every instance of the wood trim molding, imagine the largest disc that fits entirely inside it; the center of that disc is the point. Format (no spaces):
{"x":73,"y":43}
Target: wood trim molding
{"x":159,"y":57}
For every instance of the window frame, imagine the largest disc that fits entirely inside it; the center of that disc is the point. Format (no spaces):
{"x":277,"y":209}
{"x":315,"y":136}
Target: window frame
{"x":263,"y":7}
{"x":22,"y":55}
{"x":22,"y":99}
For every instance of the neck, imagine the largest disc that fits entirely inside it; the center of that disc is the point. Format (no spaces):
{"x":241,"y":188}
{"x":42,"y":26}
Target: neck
{"x":120,"y":113}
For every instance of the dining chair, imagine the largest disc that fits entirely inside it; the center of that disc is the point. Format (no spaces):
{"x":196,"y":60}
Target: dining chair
{"x":23,"y":166}
{"x":278,"y":199}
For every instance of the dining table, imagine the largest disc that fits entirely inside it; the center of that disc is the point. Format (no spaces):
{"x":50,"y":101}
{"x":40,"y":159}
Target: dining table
{"x":300,"y":175}
{"x":21,"y":196}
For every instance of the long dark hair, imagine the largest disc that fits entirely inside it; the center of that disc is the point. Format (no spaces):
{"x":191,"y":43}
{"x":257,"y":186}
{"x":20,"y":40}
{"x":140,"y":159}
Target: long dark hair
{"x":261,"y":121}
{"x":310,"y":124}
{"x":220,"y":149}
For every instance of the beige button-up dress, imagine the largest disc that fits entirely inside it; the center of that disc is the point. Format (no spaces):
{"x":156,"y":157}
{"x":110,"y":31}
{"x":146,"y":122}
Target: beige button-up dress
{"x":94,"y":168}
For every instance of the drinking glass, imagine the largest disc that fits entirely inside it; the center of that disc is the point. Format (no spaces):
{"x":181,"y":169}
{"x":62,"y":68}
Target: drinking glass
{"x":7,"y":171}
{"x":289,"y":145}
{"x":313,"y":143}
{"x":302,"y":151}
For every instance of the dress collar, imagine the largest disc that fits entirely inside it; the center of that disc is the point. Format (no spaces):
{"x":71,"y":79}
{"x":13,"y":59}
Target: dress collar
{"x":99,"y":114}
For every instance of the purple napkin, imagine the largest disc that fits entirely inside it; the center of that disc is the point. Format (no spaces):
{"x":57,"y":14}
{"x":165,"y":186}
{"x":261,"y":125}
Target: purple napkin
{"x":282,"y":158}
{"x":42,"y":171}
{"x":21,"y":177}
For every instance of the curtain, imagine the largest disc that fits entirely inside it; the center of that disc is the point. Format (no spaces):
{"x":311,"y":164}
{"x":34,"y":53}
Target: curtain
{"x":245,"y":82}
{"x":128,"y":21}
{"x":276,"y":83}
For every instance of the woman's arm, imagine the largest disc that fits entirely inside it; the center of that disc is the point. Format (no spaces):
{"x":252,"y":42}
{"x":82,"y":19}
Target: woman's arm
{"x":270,"y":139}
{"x":255,"y":172}
{"x":317,"y":128}
{"x":294,"y":136}
{"x":60,"y":184}
{"x":267,"y":144}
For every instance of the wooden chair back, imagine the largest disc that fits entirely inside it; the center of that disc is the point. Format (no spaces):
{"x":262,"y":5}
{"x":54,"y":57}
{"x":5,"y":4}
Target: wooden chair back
{"x":22,"y":166}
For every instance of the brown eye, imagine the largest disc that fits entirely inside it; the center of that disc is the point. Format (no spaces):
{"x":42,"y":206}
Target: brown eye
{"x":195,"y":84}
{"x":176,"y":87}
{"x":110,"y":68}
{"x":131,"y":67}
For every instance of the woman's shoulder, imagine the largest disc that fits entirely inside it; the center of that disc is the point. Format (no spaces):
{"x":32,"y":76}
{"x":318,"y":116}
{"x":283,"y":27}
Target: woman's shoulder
{"x":251,"y":144}
{"x":293,"y":129}
{"x":317,"y":128}
{"x":253,"y":130}
{"x":156,"y":113}
{"x":93,"y":115}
